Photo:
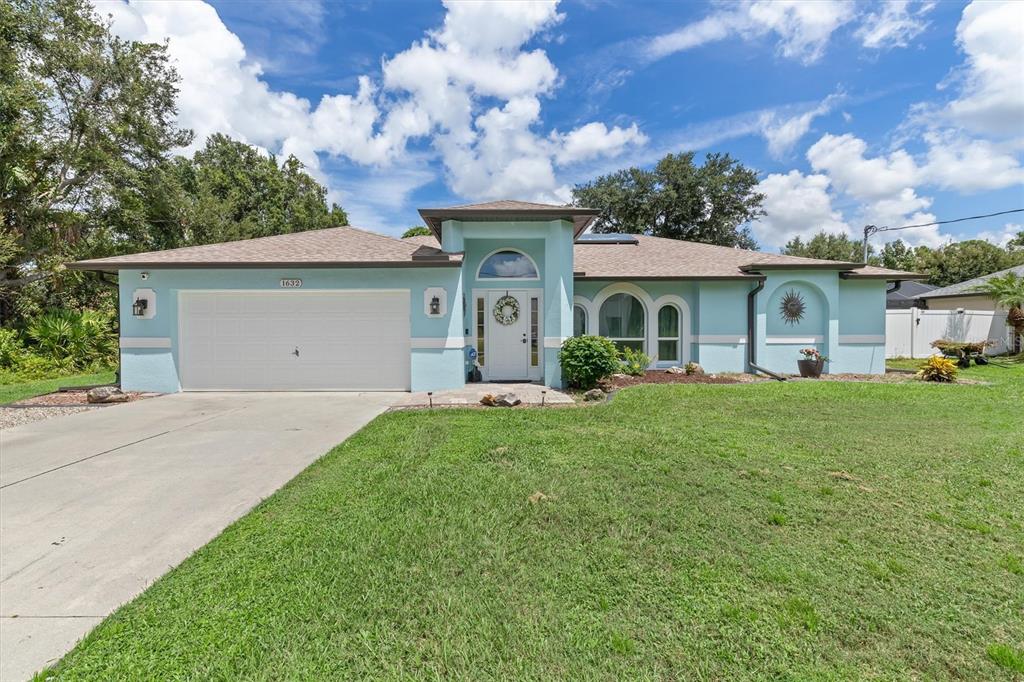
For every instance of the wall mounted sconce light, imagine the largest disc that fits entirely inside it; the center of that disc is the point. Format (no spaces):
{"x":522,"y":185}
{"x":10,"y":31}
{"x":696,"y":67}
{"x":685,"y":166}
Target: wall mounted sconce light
{"x":139,"y":307}
{"x":435,"y":306}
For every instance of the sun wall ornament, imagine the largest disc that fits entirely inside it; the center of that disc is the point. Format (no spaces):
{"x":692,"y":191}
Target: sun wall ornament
{"x":506,"y":310}
{"x":792,"y":307}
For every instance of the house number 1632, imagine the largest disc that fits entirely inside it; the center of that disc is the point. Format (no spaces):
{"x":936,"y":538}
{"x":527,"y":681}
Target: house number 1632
{"x":291,"y":283}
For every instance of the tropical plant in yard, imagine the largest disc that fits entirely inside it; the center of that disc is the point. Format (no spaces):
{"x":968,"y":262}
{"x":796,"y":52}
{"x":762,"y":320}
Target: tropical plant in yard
{"x":1008,"y":291}
{"x":588,"y":359}
{"x":938,"y":368}
{"x":635,"y":362}
{"x":80,"y":338}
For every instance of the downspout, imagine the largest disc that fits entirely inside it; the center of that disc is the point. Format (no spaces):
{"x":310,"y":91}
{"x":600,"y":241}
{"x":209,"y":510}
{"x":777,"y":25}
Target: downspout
{"x":895,"y":287}
{"x":752,"y":336}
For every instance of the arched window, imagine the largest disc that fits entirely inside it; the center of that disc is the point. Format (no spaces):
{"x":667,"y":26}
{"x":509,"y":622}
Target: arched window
{"x":579,"y":320}
{"x":507,"y":264}
{"x":668,"y":334}
{"x":621,"y":319}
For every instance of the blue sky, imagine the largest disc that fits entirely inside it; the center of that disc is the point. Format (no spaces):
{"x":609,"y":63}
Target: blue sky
{"x":886,"y":113}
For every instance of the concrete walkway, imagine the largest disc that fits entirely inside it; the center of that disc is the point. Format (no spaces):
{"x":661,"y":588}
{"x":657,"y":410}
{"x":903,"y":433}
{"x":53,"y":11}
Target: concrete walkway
{"x":530,"y":394}
{"x":96,"y":506}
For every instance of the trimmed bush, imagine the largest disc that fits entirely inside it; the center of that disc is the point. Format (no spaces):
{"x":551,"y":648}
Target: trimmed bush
{"x":938,"y":368}
{"x":588,"y":359}
{"x":635,"y":362}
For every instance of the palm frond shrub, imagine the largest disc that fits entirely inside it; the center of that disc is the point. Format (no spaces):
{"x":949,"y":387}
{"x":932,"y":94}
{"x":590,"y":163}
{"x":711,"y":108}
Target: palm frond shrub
{"x":81,"y":339}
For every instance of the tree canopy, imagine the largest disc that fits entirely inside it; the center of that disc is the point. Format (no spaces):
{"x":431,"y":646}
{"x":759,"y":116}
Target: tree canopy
{"x":828,"y":246}
{"x":678,"y":199}
{"x":87,"y":164}
{"x":417,"y":231}
{"x":948,"y":264}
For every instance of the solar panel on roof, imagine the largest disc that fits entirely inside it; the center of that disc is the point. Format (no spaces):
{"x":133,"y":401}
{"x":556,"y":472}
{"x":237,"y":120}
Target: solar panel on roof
{"x":607,"y":238}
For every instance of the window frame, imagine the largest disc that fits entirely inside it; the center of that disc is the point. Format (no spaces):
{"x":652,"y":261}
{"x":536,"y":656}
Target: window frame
{"x":483,"y":261}
{"x":678,"y":337}
{"x":642,"y":339}
{"x":586,"y":319}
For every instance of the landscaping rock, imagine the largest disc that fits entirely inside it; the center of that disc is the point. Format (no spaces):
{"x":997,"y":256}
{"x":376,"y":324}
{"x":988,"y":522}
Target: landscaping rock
{"x":693,"y":369}
{"x":675,"y":370}
{"x":501,"y":400}
{"x":507,"y":400}
{"x":593,"y":394}
{"x":107,"y":394}
{"x":619,"y":375}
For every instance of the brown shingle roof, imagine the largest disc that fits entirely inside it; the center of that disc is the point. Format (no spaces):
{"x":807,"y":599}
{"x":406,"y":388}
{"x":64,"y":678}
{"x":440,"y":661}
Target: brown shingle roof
{"x":660,"y":258}
{"x":333,"y":247}
{"x":507,"y":208}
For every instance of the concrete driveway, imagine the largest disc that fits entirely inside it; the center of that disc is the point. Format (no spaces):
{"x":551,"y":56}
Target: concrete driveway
{"x":96,"y":506}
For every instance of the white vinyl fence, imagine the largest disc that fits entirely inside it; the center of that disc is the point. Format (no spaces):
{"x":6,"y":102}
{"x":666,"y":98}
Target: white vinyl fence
{"x":909,"y":333}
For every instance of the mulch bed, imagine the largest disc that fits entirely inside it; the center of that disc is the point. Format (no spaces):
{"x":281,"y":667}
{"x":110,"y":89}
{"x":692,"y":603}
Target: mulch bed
{"x":662,"y":377}
{"x":70,"y":398}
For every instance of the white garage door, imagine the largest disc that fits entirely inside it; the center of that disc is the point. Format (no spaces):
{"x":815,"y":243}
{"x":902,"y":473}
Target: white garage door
{"x":294,"y":340}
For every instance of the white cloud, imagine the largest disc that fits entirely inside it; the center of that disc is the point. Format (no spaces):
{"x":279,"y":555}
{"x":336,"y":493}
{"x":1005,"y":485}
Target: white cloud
{"x":965,"y":165}
{"x":1001,"y":237}
{"x":441,"y":89}
{"x":796,"y":205}
{"x":802,"y":29}
{"x":895,"y":25}
{"x":884,"y":186}
{"x":782,"y":132}
{"x":843,"y":158}
{"x":991,"y":35}
{"x":595,"y":140}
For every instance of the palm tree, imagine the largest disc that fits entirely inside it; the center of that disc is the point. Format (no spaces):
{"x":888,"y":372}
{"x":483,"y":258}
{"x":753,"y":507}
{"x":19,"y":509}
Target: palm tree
{"x":1008,"y":291}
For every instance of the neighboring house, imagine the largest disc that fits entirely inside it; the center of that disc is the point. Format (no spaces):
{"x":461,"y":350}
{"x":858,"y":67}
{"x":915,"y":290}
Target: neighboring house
{"x":906,"y":296}
{"x":508,"y":281}
{"x":965,"y":294}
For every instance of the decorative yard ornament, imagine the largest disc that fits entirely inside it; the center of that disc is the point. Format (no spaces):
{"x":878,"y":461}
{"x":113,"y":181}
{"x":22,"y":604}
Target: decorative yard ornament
{"x":506,"y":310}
{"x":792,"y":307}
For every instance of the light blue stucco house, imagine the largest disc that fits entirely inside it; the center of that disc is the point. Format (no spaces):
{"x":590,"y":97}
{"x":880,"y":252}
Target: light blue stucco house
{"x":497,"y":287}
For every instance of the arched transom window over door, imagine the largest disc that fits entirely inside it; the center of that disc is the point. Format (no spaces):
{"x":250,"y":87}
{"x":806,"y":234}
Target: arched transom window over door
{"x":507,"y":264}
{"x":621,"y":319}
{"x":668,"y":334}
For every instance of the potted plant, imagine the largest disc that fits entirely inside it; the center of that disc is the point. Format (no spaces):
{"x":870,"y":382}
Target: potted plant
{"x":812,"y":364}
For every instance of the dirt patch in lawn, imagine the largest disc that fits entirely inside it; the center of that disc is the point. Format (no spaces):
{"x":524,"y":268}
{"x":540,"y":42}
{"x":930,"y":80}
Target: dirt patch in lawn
{"x":618,"y":381}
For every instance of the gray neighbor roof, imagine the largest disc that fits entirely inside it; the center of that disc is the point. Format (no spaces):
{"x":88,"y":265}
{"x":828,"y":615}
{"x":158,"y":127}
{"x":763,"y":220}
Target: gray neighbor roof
{"x":970,"y":287}
{"x":349,"y":247}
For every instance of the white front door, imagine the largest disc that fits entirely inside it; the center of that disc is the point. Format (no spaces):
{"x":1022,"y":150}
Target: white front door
{"x":508,"y":343}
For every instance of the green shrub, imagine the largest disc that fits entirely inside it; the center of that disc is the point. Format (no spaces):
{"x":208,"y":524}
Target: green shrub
{"x":635,"y":362}
{"x":84,"y":339}
{"x":31,"y":367}
{"x":938,"y":368}
{"x":588,"y":359}
{"x":12,"y":350}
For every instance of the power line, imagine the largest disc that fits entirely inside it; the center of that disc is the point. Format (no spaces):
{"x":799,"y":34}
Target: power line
{"x":946,"y":222}
{"x":871,"y":229}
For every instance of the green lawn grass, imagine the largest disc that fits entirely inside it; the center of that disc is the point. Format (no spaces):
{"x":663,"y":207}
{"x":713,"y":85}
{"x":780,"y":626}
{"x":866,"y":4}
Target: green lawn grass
{"x":765,"y":531}
{"x":10,"y":393}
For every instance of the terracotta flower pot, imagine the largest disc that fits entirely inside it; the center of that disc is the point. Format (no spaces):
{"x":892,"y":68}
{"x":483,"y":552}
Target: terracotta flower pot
{"x":810,"y":368}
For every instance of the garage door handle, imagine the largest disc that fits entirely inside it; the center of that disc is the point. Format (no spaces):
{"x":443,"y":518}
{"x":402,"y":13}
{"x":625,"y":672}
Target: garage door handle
{"x":295,"y":352}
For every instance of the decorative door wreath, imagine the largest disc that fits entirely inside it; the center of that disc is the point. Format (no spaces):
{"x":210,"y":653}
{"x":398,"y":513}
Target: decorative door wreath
{"x":506,"y":310}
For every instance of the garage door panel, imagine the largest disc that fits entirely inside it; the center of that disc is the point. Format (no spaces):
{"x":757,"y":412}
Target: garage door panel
{"x":246,"y":340}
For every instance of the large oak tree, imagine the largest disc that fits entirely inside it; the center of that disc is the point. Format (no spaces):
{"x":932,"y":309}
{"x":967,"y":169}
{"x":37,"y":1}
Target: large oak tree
{"x":678,"y":199}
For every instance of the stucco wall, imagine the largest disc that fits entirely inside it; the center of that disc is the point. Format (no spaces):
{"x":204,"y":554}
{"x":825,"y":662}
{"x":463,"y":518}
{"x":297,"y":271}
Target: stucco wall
{"x":437,"y":356}
{"x":965,"y":302}
{"x":549,"y":245}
